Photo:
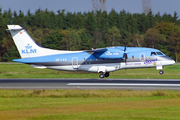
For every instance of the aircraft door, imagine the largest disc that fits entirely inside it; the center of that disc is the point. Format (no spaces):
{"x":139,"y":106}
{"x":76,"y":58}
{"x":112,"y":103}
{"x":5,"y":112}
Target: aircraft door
{"x":142,"y":57}
{"x":75,"y":63}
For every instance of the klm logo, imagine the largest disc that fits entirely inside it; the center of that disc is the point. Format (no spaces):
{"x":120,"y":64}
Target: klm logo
{"x":29,"y":50}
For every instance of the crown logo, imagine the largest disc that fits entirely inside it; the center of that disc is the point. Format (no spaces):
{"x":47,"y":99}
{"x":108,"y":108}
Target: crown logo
{"x":28,"y":46}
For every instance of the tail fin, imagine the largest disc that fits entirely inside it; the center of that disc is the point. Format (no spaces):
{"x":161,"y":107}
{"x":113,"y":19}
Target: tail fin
{"x":27,"y":46}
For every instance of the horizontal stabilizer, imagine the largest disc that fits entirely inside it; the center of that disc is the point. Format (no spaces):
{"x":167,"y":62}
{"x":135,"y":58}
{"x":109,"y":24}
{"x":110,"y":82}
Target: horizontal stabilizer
{"x":14,"y":27}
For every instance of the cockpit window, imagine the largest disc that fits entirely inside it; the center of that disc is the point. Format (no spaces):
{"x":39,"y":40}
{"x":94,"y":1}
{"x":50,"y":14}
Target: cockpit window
{"x":153,"y":53}
{"x":159,"y":53}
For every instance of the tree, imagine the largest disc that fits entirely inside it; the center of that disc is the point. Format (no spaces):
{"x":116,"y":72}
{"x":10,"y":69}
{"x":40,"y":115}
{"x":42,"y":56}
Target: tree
{"x":79,"y":21}
{"x":53,"y":40}
{"x":113,"y":37}
{"x":11,"y":53}
{"x":142,"y":23}
{"x":73,"y":40}
{"x":131,"y":24}
{"x":112,"y":18}
{"x":169,"y":32}
{"x":121,"y":21}
{"x":70,"y":20}
{"x":64,"y":42}
{"x":38,"y":36}
{"x":175,"y":17}
{"x":174,"y":41}
{"x":8,"y":17}
{"x":91,"y":23}
{"x":96,"y":40}
{"x":138,"y":40}
{"x":85,"y":40}
{"x":60,"y":19}
{"x":2,"y":33}
{"x":152,"y":38}
{"x":165,"y":28}
{"x":151,"y":19}
{"x":158,"y":17}
{"x":29,"y":18}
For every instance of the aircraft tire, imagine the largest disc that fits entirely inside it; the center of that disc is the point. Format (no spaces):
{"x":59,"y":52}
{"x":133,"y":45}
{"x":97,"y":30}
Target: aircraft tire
{"x":101,"y":75}
{"x":161,"y":72}
{"x":106,"y":74}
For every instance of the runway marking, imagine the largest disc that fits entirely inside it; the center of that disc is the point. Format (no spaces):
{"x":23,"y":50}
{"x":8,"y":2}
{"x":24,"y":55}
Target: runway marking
{"x":121,"y":84}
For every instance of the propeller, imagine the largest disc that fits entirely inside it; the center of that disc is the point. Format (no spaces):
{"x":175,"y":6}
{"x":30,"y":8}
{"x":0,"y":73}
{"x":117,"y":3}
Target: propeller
{"x":125,"y":55}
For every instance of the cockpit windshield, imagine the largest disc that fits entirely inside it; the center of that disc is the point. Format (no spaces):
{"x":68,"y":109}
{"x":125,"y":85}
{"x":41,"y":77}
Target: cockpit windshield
{"x":159,"y":53}
{"x":156,"y":53}
{"x":153,"y":53}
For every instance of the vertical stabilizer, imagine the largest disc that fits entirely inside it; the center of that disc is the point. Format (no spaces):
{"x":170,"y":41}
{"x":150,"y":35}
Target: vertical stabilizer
{"x":27,"y":46}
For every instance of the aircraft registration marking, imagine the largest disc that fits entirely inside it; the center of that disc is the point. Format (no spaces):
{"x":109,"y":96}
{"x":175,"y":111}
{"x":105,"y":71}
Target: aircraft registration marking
{"x":61,"y":59}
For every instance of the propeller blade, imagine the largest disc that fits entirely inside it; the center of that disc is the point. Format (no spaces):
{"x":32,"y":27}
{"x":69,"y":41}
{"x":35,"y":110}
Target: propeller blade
{"x":125,"y":57}
{"x":125,"y":48}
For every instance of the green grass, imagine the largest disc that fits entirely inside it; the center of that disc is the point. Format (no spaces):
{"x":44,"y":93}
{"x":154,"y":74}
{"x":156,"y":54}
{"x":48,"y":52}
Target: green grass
{"x":89,"y":104}
{"x":25,"y":71}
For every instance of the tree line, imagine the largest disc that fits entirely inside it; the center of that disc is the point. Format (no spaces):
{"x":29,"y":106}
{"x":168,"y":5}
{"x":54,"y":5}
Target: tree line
{"x":83,"y":31}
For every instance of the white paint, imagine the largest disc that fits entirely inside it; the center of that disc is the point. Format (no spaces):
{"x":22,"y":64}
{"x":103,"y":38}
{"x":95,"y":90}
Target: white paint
{"x":37,"y":66}
{"x":159,"y":67}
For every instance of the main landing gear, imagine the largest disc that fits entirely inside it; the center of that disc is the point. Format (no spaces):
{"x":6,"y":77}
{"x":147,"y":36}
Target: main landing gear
{"x":161,"y":72}
{"x":102,"y":75}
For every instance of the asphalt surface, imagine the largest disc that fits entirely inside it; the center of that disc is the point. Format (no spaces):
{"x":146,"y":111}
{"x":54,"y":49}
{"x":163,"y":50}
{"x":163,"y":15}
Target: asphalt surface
{"x":124,"y":84}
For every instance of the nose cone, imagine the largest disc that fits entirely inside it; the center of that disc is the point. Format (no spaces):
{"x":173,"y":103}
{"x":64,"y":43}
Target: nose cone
{"x":165,"y":60}
{"x":172,"y":62}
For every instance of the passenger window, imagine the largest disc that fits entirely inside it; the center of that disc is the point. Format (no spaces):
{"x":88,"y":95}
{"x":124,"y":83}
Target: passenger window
{"x":153,"y":53}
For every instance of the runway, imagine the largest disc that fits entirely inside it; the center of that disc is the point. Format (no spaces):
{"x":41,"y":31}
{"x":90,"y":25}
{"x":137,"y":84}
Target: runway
{"x":123,"y":84}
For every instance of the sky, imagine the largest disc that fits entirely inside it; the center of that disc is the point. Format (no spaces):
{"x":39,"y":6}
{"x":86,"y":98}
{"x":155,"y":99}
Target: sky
{"x":132,"y":6}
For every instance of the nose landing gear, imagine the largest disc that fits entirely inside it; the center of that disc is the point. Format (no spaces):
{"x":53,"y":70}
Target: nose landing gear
{"x":102,"y":75}
{"x":161,"y":72}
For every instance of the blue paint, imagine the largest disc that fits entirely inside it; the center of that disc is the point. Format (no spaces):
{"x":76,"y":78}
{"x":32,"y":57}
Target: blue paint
{"x":108,"y":53}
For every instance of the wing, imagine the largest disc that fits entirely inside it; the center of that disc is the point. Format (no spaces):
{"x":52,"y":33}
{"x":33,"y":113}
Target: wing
{"x":102,"y":50}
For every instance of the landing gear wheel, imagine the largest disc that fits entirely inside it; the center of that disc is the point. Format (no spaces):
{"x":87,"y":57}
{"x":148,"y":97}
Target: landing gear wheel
{"x":101,"y":75}
{"x":161,"y":72}
{"x":106,"y":74}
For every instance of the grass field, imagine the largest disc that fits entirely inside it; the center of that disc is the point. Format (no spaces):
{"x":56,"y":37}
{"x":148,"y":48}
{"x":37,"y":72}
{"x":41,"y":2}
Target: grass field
{"x":89,"y":104}
{"x":25,"y":71}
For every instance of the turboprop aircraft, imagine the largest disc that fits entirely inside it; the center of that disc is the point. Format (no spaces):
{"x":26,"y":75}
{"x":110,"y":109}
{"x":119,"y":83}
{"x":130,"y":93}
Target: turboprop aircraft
{"x":103,"y":60}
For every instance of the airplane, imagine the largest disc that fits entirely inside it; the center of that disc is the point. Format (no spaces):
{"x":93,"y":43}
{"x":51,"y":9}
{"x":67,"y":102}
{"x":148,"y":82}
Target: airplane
{"x":102,"y":60}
